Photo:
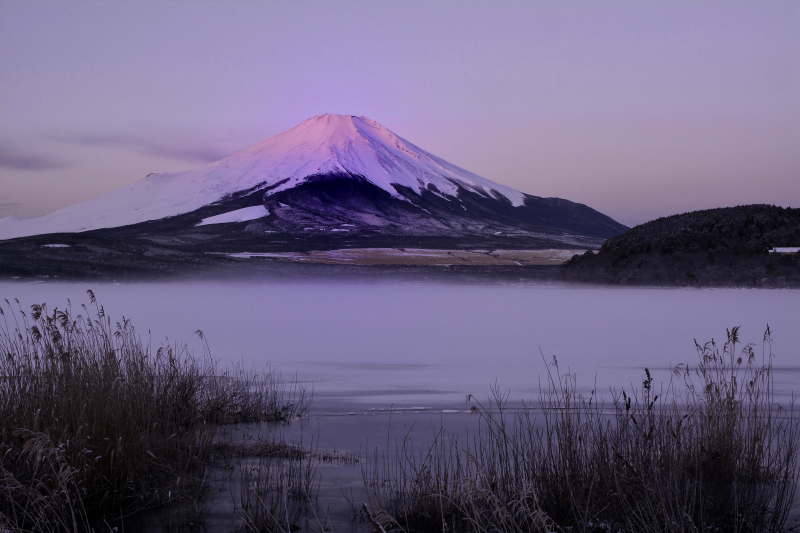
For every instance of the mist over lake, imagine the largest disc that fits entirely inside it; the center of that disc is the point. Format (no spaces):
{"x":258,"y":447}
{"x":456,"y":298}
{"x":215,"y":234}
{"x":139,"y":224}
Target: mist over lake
{"x":429,"y":344}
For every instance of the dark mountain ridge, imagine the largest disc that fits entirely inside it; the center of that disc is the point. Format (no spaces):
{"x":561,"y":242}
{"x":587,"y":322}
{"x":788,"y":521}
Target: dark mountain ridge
{"x":713,"y":247}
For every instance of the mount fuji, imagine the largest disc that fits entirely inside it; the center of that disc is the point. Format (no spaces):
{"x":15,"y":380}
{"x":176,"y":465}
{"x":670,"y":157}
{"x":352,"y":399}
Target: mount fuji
{"x":332,"y":181}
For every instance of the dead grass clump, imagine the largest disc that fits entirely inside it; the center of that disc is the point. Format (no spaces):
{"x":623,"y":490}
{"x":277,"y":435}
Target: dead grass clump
{"x":238,"y":395}
{"x":713,"y":454}
{"x":94,"y":424}
{"x":275,"y":493}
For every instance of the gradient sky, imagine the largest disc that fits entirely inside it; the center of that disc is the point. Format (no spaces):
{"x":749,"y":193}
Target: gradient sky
{"x":638,"y":109}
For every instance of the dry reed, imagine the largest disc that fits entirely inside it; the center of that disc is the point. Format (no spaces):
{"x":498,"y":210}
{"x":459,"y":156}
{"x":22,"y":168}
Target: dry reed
{"x":94,"y":424}
{"x":715,"y":454}
{"x":275,"y":493}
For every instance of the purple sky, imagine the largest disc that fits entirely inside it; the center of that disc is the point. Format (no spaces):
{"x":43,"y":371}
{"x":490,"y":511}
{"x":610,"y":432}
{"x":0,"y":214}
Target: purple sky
{"x":638,"y":109}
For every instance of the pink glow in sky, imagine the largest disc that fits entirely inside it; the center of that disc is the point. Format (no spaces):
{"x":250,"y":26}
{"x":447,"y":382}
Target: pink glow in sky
{"x":638,"y":109}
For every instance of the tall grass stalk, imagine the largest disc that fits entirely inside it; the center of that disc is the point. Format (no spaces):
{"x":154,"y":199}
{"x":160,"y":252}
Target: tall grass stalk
{"x":276,"y":492}
{"x":94,"y":424}
{"x":715,"y":454}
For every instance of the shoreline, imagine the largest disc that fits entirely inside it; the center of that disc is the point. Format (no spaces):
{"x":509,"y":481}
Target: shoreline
{"x":84,"y":262}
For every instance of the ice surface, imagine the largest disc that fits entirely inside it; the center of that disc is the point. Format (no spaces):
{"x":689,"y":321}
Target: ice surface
{"x":427,"y":344}
{"x":320,"y":145}
{"x":240,"y":215}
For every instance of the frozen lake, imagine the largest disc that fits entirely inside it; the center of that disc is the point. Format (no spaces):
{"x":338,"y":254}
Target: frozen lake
{"x":421,"y":344}
{"x":394,"y":360}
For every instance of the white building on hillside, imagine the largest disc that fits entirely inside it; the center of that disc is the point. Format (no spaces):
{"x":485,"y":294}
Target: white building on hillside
{"x":785,"y":250}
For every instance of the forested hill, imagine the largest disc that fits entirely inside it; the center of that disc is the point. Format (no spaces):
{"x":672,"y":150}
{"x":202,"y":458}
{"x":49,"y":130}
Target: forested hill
{"x":715,"y":247}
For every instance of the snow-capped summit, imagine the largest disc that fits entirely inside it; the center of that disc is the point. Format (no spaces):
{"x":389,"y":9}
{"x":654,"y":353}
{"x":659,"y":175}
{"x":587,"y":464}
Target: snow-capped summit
{"x":360,"y":146}
{"x":326,"y":144}
{"x":331,"y":180}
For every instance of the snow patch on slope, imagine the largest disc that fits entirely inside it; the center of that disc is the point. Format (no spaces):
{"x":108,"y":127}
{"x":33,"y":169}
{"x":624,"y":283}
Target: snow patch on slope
{"x":240,"y":215}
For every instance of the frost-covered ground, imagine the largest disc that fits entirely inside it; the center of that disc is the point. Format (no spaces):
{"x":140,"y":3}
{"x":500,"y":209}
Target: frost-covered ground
{"x":419,"y":257}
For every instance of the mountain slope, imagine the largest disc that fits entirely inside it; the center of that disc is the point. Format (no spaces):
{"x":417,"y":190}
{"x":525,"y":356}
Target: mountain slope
{"x":726,"y":246}
{"x":331,"y":173}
